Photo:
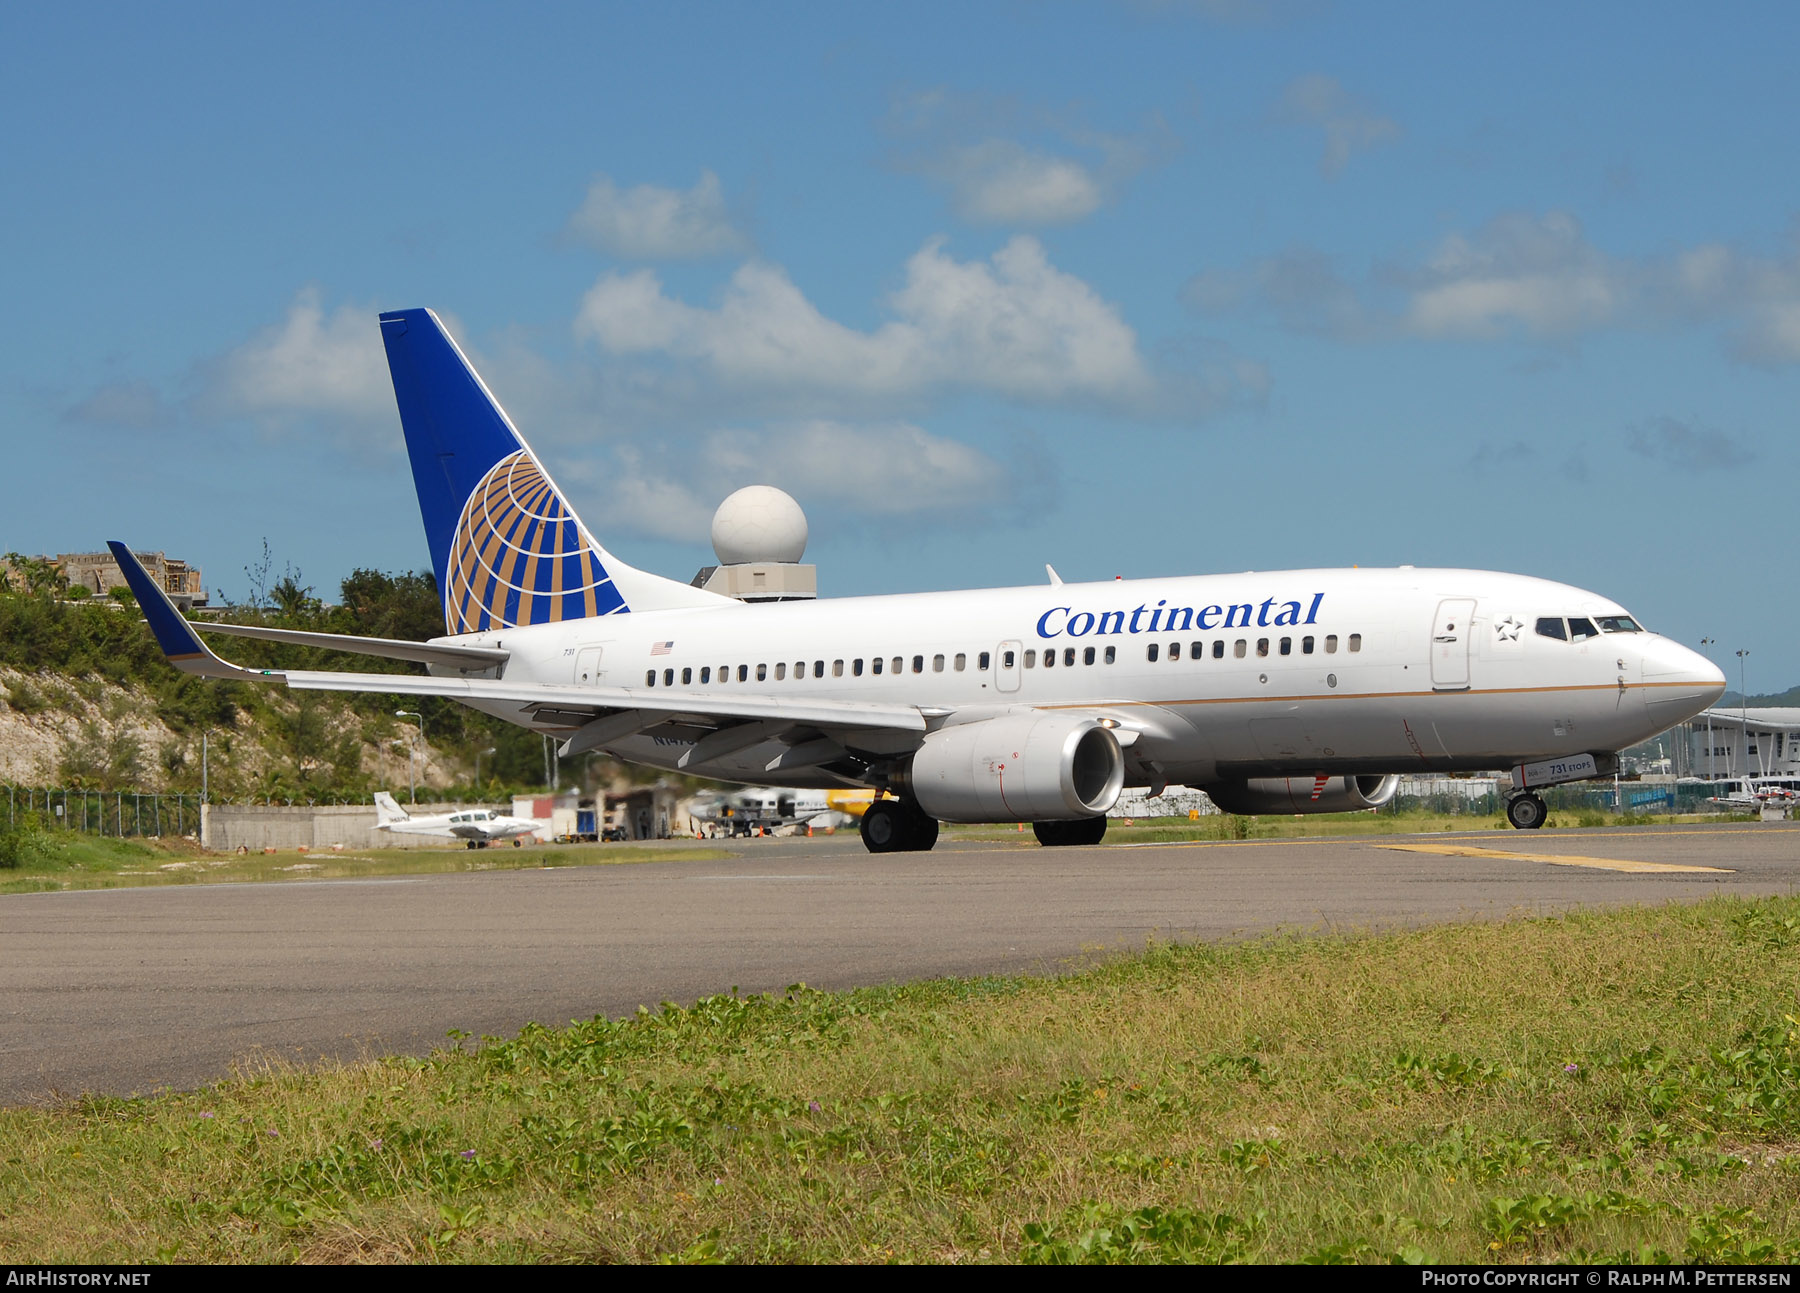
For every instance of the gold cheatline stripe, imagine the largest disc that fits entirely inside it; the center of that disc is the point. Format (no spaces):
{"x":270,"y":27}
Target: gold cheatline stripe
{"x":1553,"y":859}
{"x":1359,"y":695}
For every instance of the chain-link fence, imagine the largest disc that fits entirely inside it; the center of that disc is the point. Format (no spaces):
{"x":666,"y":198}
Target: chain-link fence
{"x":104,"y":812}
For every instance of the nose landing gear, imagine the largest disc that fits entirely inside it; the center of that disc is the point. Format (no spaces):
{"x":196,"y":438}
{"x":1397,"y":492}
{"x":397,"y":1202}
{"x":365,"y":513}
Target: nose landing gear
{"x":1526,"y":812}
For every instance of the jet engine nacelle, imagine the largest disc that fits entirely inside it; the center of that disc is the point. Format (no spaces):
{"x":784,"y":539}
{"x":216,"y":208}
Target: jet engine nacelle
{"x":1019,"y":768}
{"x":1295,"y":794}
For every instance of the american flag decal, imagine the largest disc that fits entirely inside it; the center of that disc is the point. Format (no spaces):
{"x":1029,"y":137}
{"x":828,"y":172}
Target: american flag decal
{"x":662,"y":648}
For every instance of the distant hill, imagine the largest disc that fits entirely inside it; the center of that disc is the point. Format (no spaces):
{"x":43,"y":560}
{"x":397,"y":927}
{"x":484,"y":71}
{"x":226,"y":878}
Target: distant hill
{"x":1789,"y":699}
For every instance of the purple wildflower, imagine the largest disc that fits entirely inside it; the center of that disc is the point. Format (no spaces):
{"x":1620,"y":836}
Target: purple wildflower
{"x":813,"y":1105}
{"x":1571,"y":1068}
{"x":468,"y":1154}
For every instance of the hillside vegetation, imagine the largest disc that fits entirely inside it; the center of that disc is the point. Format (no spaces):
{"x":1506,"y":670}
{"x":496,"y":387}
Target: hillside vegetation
{"x":89,"y":702}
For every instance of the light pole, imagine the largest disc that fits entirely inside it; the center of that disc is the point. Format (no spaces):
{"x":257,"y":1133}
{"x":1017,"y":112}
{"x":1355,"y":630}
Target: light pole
{"x":1744,"y":711}
{"x":478,"y":754}
{"x":412,"y":777}
{"x":1710,"y":774}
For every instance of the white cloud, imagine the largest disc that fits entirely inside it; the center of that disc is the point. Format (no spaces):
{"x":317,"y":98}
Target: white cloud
{"x":308,"y":364}
{"x":670,"y":490}
{"x":1687,"y":447}
{"x":1531,"y":276}
{"x":135,"y":404}
{"x":1015,"y":325}
{"x":652,"y":223}
{"x":1351,"y":125}
{"x":1003,"y":164}
{"x":1002,"y":182}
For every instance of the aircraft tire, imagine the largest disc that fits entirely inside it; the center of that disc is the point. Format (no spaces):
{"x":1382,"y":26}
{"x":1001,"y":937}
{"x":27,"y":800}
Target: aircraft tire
{"x":516,"y":843}
{"x":1083,"y":830}
{"x":468,"y":844}
{"x":921,"y":829}
{"x":1526,"y":812}
{"x":883,"y":828}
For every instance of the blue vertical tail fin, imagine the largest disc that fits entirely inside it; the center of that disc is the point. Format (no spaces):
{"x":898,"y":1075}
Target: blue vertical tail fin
{"x":507,"y":547}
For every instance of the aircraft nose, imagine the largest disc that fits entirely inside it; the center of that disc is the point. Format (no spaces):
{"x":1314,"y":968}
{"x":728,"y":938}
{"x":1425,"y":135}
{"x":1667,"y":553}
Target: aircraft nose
{"x":1678,"y":683}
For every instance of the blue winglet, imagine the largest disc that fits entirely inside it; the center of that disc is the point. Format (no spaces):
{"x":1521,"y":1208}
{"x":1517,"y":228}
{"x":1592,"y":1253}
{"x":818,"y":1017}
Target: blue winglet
{"x":173,"y":633}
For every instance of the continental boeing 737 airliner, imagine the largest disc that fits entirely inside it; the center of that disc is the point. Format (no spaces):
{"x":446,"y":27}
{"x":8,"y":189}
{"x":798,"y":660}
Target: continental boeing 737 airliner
{"x":1287,"y":691}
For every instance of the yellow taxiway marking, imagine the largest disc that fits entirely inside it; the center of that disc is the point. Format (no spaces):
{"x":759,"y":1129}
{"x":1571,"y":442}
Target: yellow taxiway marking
{"x":1552,"y":859}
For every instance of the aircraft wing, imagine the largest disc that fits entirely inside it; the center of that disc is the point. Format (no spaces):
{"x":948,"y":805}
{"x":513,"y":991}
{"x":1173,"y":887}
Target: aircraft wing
{"x":466,"y":658}
{"x":592,"y":716}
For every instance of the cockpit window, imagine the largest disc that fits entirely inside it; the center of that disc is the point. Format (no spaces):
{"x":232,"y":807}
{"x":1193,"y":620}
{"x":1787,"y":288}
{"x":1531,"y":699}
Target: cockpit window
{"x":1548,"y":628}
{"x":1618,"y":624}
{"x":1582,"y":630}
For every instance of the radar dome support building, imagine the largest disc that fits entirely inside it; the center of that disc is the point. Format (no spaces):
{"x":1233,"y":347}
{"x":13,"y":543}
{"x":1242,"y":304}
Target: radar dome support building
{"x":759,"y":535}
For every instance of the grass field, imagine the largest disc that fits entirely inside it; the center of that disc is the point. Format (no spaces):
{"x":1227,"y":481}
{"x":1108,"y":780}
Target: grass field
{"x":1619,"y":1086}
{"x":71,"y":860}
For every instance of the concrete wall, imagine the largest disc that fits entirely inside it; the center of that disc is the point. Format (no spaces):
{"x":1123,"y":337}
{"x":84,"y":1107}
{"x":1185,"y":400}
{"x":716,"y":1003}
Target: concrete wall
{"x":226,"y":827}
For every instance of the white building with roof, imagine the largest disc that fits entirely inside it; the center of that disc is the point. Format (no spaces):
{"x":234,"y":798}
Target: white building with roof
{"x":1739,"y":743}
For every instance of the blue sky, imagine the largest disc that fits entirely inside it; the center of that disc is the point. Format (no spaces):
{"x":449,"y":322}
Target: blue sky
{"x":1134,"y":289}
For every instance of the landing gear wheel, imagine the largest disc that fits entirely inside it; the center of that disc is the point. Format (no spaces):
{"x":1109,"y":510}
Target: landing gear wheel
{"x":892,"y":826}
{"x":470,"y":844}
{"x":1526,"y":812}
{"x":516,"y":843}
{"x":882,"y":827}
{"x":1084,"y":830}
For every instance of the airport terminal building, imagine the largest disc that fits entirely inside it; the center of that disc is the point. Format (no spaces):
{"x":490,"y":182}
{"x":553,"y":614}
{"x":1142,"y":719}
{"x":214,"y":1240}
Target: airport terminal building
{"x":1725,"y":743}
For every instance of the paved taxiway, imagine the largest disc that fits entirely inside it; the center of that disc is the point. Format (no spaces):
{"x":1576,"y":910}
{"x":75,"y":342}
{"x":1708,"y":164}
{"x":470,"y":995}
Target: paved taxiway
{"x":126,"y":990}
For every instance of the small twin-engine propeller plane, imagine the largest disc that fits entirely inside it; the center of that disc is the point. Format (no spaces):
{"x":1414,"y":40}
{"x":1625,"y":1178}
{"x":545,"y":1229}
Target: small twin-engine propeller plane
{"x":1292,"y":692}
{"x":475,"y":826}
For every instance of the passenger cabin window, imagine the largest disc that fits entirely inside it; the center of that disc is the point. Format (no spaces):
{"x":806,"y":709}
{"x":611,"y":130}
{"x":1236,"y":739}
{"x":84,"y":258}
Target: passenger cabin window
{"x":1219,"y":649}
{"x":1306,"y":646}
{"x":937,"y":664}
{"x":837,"y":668}
{"x":668,"y":677}
{"x":1262,"y":646}
{"x":875,"y":665}
{"x":1287,"y":646}
{"x":899,"y":664}
{"x":1030,"y":660}
{"x":650,"y":678}
{"x":962,"y":660}
{"x":1174,"y":650}
{"x":780,"y":671}
{"x":856,"y":667}
{"x":1582,"y":630}
{"x":1552,"y":628}
{"x":819,"y":669}
{"x":1050,"y":658}
{"x":1087,"y":655}
{"x":918,"y":664}
{"x":1331,"y":644}
{"x":762,"y":673}
{"x":1150,"y":653}
{"x":1006,"y":659}
{"x":982,"y":661}
{"x":687,"y":676}
{"x":1239,"y":648}
{"x":705,"y":674}
{"x":1355,"y":642}
{"x":743,"y":673}
{"x":1112,"y":654}
{"x":1068,"y":657}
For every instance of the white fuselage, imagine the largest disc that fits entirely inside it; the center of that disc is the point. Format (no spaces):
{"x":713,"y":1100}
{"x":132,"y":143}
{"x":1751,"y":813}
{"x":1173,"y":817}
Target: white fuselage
{"x":1255,"y":674}
{"x":477,"y":824}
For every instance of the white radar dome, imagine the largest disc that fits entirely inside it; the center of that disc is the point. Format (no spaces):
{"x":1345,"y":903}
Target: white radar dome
{"x":759,"y":523}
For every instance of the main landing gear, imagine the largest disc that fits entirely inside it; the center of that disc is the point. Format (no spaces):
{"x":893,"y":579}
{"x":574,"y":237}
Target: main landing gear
{"x":898,"y":826}
{"x":1526,"y":812}
{"x":1084,"y":830}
